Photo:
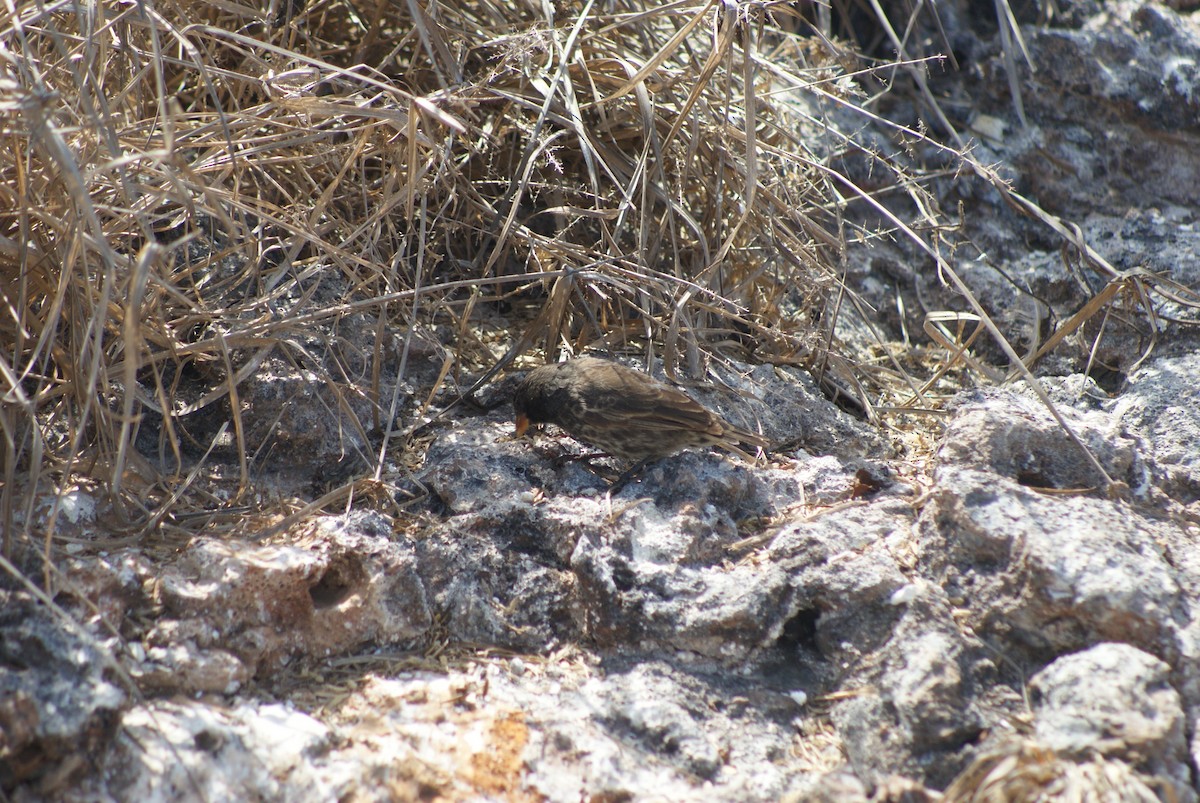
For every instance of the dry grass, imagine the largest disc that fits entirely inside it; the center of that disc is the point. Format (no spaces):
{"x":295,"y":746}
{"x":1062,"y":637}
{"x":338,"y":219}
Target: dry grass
{"x":1022,"y":769}
{"x":186,"y":182}
{"x":191,"y":188}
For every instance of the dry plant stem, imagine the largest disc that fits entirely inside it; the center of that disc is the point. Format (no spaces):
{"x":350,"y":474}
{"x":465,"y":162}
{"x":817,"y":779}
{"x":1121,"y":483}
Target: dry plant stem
{"x":342,"y":492}
{"x":260,"y":334}
{"x":132,"y":346}
{"x":958,"y":348}
{"x":17,"y":412}
{"x":509,"y":203}
{"x":723,"y":46}
{"x":179,"y":491}
{"x":394,"y":407}
{"x":1112,"y":488}
{"x":324,"y":67}
{"x":199,"y":209}
{"x":1087,"y":312}
{"x":1010,"y":33}
{"x":235,"y":407}
{"x":439,"y":53}
{"x":1138,"y":279}
{"x":665,"y":52}
{"x":1075,"y":237}
{"x":917,"y":76}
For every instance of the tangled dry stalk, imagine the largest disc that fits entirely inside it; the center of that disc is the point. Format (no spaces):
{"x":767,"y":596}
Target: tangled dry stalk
{"x":190,"y":187}
{"x":181,"y":177}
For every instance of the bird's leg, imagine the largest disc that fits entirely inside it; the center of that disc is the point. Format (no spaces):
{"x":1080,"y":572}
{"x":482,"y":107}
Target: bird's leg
{"x":563,"y":459}
{"x":629,"y":474}
{"x":586,"y":459}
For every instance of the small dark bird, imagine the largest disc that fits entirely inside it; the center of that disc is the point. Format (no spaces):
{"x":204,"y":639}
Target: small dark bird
{"x":624,"y":412}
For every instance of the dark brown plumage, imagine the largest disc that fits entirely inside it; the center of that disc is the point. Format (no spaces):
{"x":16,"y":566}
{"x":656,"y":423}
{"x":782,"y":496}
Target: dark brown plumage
{"x":624,"y":412}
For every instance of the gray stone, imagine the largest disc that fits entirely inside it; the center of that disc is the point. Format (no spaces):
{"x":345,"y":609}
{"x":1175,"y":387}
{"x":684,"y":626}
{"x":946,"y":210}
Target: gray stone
{"x":57,"y":709}
{"x":1163,"y":402}
{"x":1116,"y":701}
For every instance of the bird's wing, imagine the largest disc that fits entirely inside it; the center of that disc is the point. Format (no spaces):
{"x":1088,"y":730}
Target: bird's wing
{"x":628,"y":397}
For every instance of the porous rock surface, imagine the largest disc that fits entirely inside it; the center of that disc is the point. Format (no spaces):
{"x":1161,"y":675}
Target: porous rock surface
{"x":834,"y":623}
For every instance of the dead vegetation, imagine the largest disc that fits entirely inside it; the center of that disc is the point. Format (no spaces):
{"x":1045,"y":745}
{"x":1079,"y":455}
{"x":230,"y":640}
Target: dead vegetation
{"x":191,"y":189}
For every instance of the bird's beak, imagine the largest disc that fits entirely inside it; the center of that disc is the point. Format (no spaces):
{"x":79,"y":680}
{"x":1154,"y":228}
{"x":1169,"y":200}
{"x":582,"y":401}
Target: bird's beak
{"x":522,"y":423}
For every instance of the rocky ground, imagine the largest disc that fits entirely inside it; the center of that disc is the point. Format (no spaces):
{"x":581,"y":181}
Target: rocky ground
{"x":844,"y":621}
